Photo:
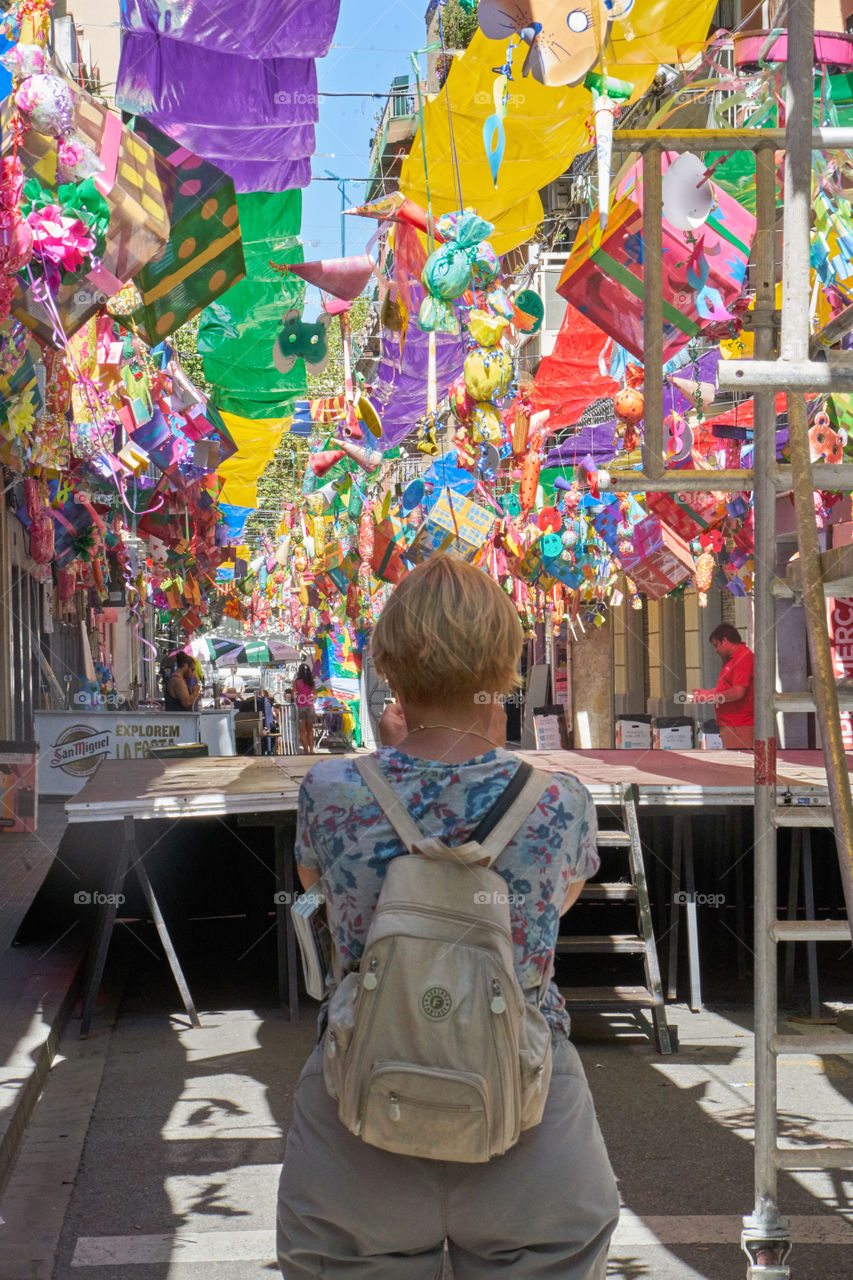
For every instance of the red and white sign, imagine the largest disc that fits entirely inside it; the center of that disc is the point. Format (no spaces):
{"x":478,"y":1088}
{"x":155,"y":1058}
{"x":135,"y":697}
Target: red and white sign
{"x":841,"y":635}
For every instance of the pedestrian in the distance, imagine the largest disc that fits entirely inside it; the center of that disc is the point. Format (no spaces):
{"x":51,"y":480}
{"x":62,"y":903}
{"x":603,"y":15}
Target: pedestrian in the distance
{"x":733,"y":696}
{"x":303,"y":696}
{"x":182,"y":690}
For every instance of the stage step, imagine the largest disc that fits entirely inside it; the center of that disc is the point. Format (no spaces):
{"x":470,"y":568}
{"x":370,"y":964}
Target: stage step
{"x":603,"y":944}
{"x":608,"y":997}
{"x":614,"y":893}
{"x":618,"y":891}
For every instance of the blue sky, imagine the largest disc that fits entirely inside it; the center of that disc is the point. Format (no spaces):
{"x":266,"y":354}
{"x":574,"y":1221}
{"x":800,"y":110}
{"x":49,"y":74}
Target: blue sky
{"x":372,"y":45}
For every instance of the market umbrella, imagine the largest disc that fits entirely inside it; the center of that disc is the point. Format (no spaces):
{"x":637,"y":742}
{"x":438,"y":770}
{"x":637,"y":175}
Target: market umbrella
{"x":228,"y":652}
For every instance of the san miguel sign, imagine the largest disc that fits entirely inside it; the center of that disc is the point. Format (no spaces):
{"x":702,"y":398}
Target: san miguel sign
{"x":73,"y":744}
{"x":79,"y":750}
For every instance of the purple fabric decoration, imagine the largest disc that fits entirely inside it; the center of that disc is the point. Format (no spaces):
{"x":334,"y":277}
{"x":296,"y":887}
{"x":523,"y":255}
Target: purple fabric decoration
{"x":252,"y":28}
{"x":173,"y":83}
{"x":275,"y":142}
{"x":400,"y":392}
{"x":264,"y":175}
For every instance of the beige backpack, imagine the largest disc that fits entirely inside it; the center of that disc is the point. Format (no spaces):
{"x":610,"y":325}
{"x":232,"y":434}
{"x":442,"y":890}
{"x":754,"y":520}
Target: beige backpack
{"x":431,"y":1048}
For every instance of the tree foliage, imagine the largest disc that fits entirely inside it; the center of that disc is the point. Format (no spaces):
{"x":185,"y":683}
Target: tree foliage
{"x":459,"y":23}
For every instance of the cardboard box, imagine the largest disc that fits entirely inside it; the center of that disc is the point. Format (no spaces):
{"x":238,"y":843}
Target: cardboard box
{"x":708,"y":737}
{"x":672,"y":734}
{"x":659,"y":559}
{"x":634,"y":733}
{"x":603,"y":277}
{"x":18,"y":790}
{"x":688,"y":514}
{"x":204,"y":255}
{"x":531,"y":568}
{"x":455,"y":523}
{"x":617,"y":518}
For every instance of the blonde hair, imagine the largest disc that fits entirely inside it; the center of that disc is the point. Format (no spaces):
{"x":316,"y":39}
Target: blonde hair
{"x":447,"y":629}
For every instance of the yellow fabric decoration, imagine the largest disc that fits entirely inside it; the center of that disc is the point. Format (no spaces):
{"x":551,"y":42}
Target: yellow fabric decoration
{"x":545,"y":128}
{"x":257,"y":440}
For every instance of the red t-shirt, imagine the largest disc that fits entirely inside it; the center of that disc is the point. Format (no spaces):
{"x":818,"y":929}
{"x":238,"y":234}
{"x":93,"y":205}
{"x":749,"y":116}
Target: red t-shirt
{"x":738,"y":670}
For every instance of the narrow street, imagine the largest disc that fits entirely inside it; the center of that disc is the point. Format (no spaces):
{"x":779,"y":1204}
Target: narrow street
{"x":155,"y":1149}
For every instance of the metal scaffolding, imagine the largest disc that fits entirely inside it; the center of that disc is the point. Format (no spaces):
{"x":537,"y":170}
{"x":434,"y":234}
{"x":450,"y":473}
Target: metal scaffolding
{"x":766,"y":1237}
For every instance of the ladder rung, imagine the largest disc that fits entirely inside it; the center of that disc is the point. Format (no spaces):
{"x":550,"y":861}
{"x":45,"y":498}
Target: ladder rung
{"x":811,"y":930}
{"x":816,"y":1044}
{"x":815,"y":1158}
{"x":791,"y":702}
{"x":613,"y":839}
{"x":802,"y":815}
{"x":605,"y":944}
{"x":615,"y":997}
{"x":601,"y":892}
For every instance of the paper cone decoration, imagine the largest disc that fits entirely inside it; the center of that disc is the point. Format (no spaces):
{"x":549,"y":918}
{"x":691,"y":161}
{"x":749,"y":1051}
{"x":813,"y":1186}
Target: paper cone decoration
{"x":343,"y":277}
{"x":397,"y":208}
{"x":699,"y":394}
{"x":323,"y":461}
{"x":328,"y":493}
{"x":603,"y":153}
{"x":368,"y":459}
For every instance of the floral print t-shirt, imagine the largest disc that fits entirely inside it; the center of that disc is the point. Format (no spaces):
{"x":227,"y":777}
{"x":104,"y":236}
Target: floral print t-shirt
{"x":342,"y":832}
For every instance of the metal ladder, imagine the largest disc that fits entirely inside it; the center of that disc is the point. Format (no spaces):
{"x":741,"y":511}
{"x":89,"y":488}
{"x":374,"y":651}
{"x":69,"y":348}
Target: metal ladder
{"x":632,"y":999}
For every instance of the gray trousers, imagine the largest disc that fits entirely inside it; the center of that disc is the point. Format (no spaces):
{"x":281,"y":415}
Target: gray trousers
{"x":546,"y":1208}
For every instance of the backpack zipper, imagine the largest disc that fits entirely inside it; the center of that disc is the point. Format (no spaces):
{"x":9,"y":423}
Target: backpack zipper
{"x":463,"y":917}
{"x":395,"y":1098}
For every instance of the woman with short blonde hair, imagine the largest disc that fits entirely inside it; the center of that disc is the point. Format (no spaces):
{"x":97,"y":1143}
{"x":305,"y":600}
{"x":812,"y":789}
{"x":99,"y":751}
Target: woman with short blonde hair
{"x":448,"y":642}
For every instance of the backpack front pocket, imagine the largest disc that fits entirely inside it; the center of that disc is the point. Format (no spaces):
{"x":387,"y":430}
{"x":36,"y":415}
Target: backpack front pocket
{"x":416,"y":1111}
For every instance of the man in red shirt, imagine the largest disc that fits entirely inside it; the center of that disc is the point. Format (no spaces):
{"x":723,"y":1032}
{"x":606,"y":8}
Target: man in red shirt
{"x":733,"y":696}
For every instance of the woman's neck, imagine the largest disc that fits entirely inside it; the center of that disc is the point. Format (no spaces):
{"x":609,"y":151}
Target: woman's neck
{"x":452,"y":731}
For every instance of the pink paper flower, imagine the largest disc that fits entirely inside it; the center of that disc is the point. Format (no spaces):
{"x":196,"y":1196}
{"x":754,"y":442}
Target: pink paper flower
{"x":60,"y":239}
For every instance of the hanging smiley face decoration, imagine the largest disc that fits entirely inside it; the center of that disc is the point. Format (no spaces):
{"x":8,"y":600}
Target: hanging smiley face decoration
{"x":299,"y":338}
{"x":565,"y":36}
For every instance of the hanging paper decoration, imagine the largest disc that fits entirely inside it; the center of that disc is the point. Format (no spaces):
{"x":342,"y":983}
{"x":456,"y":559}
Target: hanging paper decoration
{"x":449,"y":270}
{"x":397,"y":208}
{"x":297,"y":338}
{"x":607,"y":94}
{"x":548,"y":129}
{"x":488,"y":373}
{"x":565,"y":39}
{"x":494,"y":134}
{"x":344,"y":278}
{"x":603,"y":277}
{"x":204,"y":256}
{"x":628,"y":405}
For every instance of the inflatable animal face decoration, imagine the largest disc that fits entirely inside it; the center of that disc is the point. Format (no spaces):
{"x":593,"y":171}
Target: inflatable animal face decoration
{"x":565,"y":36}
{"x":299,"y":338}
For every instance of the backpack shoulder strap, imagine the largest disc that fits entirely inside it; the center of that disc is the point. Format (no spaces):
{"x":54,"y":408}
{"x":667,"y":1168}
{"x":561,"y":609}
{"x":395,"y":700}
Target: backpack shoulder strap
{"x":491,"y":819}
{"x":525,"y":801}
{"x":513,"y":807}
{"x":390,"y":803}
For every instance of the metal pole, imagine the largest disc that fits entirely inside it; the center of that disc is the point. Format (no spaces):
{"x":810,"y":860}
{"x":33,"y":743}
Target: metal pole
{"x":835,"y":477}
{"x":795,"y":349}
{"x":765,"y":1226}
{"x":823,"y":139}
{"x":652,"y":315}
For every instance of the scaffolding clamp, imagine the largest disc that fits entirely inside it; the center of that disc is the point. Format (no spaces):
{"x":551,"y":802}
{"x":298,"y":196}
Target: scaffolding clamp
{"x":768,"y":1247}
